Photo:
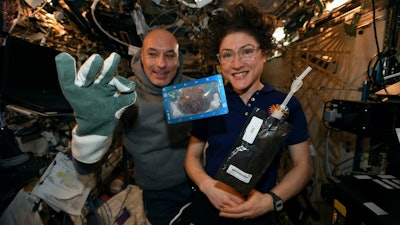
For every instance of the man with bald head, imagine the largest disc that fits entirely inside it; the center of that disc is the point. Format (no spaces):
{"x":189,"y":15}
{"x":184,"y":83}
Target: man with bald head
{"x":157,"y":148}
{"x":160,"y":57}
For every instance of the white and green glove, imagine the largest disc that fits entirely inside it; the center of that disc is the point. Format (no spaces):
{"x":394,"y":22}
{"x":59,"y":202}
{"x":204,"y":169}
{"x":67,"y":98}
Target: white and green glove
{"x":98,"y":99}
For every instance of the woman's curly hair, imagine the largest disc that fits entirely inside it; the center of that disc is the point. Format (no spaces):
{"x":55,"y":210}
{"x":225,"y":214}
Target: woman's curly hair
{"x":243,"y":18}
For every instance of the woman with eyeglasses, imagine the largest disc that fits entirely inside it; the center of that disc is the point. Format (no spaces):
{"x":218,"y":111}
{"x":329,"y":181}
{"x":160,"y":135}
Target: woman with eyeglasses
{"x":241,"y":39}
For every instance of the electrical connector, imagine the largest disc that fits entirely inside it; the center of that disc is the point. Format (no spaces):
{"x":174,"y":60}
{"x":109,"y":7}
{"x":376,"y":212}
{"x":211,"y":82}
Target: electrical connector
{"x":331,"y":114}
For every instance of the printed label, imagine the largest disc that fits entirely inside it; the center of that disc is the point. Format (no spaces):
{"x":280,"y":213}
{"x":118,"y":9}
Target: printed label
{"x":252,"y":130}
{"x":239,"y":174}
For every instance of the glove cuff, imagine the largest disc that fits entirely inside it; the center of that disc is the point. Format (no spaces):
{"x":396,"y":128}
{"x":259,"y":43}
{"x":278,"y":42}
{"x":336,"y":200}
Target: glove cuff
{"x":89,"y":149}
{"x":86,"y":169}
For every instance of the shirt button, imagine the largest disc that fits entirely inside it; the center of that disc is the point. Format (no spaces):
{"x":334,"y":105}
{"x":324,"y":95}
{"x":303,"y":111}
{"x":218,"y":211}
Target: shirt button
{"x":252,"y":99}
{"x":249,"y":104}
{"x":246,"y":113}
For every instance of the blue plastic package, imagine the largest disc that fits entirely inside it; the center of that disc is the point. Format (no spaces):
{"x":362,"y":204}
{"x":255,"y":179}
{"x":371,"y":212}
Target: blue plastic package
{"x":195,"y":99}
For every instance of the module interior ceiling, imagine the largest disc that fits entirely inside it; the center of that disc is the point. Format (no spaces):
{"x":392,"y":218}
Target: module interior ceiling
{"x":298,"y":17}
{"x":186,"y":22}
{"x":269,"y":6}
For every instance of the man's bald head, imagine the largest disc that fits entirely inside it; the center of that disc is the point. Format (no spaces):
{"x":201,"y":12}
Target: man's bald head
{"x":160,"y":37}
{"x":160,"y":57}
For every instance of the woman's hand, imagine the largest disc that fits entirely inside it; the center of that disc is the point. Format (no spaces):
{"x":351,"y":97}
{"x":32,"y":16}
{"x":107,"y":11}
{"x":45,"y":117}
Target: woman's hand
{"x":256,"y":205}
{"x":220,"y":197}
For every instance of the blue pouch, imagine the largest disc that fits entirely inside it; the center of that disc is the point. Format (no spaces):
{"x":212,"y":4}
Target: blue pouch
{"x":195,"y":99}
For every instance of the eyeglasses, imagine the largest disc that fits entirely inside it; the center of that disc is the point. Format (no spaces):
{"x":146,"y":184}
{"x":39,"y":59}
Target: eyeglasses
{"x":245,"y":55}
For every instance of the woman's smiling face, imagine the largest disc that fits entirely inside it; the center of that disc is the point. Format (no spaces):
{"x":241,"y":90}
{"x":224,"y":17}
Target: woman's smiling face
{"x":245,"y":69}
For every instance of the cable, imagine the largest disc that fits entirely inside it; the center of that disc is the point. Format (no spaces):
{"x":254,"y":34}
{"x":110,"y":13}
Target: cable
{"x":370,"y":70}
{"x":360,"y":154}
{"x":176,"y":217}
{"x":327,"y":153}
{"x":392,"y":76}
{"x":376,"y":38}
{"x":162,"y":14}
{"x":92,"y":10}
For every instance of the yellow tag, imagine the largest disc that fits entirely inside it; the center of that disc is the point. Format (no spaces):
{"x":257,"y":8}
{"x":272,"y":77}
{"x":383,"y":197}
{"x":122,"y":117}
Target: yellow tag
{"x":339,"y":207}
